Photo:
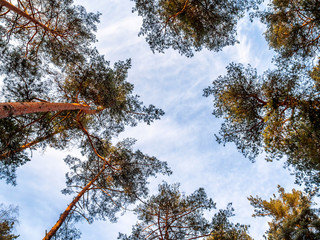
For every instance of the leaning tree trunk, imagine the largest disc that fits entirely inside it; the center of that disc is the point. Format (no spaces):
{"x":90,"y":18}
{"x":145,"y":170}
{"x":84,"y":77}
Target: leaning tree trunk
{"x":9,"y":109}
{"x":65,"y":214}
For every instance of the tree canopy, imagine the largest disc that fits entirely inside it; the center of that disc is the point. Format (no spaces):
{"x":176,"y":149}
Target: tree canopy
{"x":59,"y":91}
{"x":59,"y":29}
{"x":293,"y":26}
{"x":111,"y":178}
{"x":190,"y":25}
{"x":223,"y":229}
{"x":173,"y":215}
{"x":292,"y":215}
{"x":277,"y":111}
{"x":103,"y":90}
{"x":8,"y":220}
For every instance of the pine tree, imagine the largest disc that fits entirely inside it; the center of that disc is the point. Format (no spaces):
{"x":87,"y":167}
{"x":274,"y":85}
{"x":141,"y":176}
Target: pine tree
{"x":277,"y":111}
{"x":190,"y":25}
{"x":173,"y":215}
{"x":293,"y":27}
{"x":58,"y":91}
{"x":111,"y":178}
{"x":101,"y":97}
{"x":223,"y":229}
{"x":57,"y":28}
{"x":8,"y":219}
{"x":291,"y":213}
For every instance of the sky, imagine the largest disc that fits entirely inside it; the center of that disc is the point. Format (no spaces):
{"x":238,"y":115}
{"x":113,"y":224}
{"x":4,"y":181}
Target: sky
{"x":184,"y":137}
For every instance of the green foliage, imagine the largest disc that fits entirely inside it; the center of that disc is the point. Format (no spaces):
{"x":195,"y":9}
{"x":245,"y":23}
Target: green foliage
{"x":49,"y":58}
{"x":8,"y":218}
{"x":223,"y":229}
{"x":293,"y":26}
{"x":234,"y":99}
{"x":91,"y":81}
{"x":24,"y":64}
{"x":105,"y":90}
{"x":120,"y":179}
{"x":190,"y":25}
{"x":8,"y":143}
{"x":69,"y":28}
{"x":277,"y":111}
{"x":291,"y":213}
{"x":68,"y":231}
{"x":5,"y":231}
{"x":173,"y":215}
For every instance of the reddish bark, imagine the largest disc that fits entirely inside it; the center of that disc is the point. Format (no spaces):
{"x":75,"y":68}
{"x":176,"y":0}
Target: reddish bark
{"x":9,"y":109}
{"x":65,"y":214}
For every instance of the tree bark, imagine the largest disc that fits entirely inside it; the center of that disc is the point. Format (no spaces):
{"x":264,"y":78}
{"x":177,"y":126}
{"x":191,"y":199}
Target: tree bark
{"x":26,"y":15}
{"x":9,"y":109}
{"x":65,"y":214}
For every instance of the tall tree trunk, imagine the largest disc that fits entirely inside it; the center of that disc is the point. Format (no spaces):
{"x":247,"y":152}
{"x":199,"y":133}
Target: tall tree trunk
{"x":27,"y":16}
{"x":9,"y":109}
{"x":65,"y":214}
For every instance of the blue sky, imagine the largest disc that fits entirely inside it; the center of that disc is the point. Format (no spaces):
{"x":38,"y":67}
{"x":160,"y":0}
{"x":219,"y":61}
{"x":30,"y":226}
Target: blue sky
{"x":184,"y":137}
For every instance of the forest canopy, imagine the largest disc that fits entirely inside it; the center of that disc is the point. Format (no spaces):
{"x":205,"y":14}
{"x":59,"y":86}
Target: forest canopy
{"x":59,"y":91}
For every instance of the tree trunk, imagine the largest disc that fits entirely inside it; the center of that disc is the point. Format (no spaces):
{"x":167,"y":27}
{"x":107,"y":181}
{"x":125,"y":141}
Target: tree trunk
{"x":65,"y":214}
{"x":20,"y":108}
{"x":26,"y":15}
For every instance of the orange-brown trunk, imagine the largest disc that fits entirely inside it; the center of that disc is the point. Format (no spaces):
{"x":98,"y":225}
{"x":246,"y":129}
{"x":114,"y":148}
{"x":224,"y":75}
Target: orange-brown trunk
{"x":65,"y":214}
{"x":9,"y":109}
